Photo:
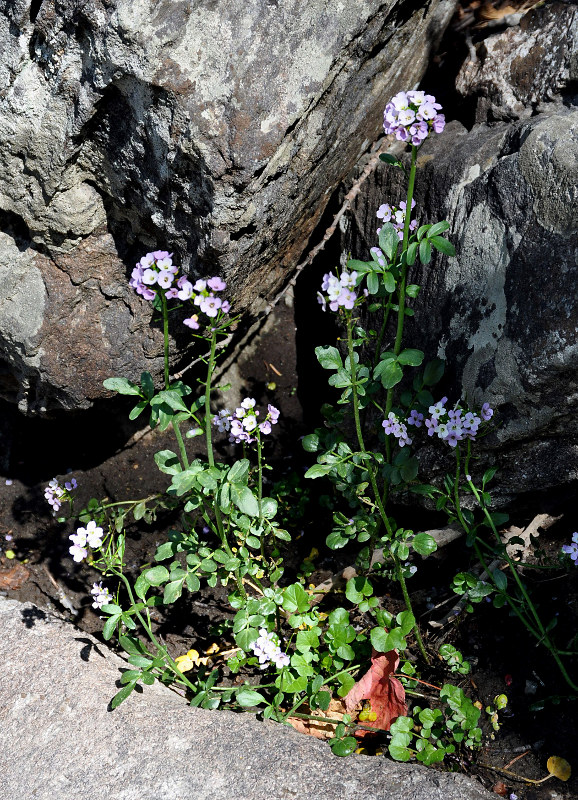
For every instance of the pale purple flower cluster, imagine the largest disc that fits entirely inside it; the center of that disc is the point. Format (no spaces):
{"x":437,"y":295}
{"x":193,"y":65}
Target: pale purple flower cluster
{"x":267,"y":650}
{"x":155,"y":268}
{"x":91,"y":536}
{"x":203,"y":295}
{"x":572,"y":549}
{"x":412,"y":115}
{"x":340,"y":291}
{"x":396,"y":216}
{"x":101,"y":595}
{"x":393,"y":425}
{"x":455,"y":424}
{"x":241,"y":424}
{"x":55,"y":494}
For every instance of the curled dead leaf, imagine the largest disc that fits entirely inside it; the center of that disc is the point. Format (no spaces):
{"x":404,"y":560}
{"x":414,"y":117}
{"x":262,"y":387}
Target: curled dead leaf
{"x":321,"y":730}
{"x":500,"y":788}
{"x":559,"y":768}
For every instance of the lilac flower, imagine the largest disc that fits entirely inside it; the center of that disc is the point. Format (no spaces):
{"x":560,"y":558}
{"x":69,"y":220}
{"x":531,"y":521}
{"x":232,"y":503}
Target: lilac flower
{"x":438,"y":409}
{"x":377,"y":255}
{"x":154,"y":268}
{"x":185,"y":289}
{"x":101,"y":595}
{"x":411,"y":116}
{"x":415,"y":418}
{"x":216,"y":284}
{"x":192,"y":322}
{"x":267,"y":650}
{"x":396,"y":216}
{"x":572,"y":549}
{"x":393,"y":426}
{"x":455,"y":424}
{"x":487,"y":412}
{"x":55,"y":494}
{"x":243,"y":422}
{"x":222,"y":420}
{"x":78,"y":552}
{"x":210,"y":305}
{"x":339,"y":290}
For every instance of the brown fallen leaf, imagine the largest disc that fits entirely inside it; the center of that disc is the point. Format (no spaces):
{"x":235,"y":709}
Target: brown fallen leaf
{"x":384,"y":692}
{"x":500,"y":788}
{"x":13,"y":577}
{"x":523,"y":551}
{"x":320,"y":730}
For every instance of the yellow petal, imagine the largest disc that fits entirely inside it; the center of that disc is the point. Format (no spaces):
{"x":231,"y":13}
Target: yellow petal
{"x":559,"y":768}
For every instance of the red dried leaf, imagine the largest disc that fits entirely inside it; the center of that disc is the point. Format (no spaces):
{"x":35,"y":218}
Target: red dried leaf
{"x":384,"y":692}
{"x":13,"y":577}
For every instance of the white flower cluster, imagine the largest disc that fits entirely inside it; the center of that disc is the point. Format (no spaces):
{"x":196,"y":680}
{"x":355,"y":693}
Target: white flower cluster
{"x":267,"y":650}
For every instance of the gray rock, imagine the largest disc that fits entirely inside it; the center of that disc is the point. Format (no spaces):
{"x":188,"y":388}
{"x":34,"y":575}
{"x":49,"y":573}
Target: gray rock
{"x":504,"y":312}
{"x":216,"y":130}
{"x":518,"y":70}
{"x":60,"y":739}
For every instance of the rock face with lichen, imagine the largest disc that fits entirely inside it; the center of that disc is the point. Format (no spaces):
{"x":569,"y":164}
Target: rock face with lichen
{"x":504,"y":312}
{"x":216,"y":130}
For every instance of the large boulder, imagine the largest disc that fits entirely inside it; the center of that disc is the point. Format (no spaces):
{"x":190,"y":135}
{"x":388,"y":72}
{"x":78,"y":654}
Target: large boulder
{"x":217,"y":130}
{"x":60,"y":738}
{"x":504,"y":312}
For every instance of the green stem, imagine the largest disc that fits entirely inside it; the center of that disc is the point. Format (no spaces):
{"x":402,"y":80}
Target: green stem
{"x":211,"y":455}
{"x":374,"y":486}
{"x":160,"y":648}
{"x":175,"y":424}
{"x":540,"y":634}
{"x":166,"y":337}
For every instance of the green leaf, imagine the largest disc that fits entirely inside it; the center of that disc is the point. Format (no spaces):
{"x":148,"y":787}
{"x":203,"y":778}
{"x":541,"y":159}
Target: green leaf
{"x":239,"y":472}
{"x":389,"y":372}
{"x":413,"y":290}
{"x":389,"y":159}
{"x":311,"y":443}
{"x":388,"y":240}
{"x":139,"y":510}
{"x":318,"y":471}
{"x":173,"y":591}
{"x":249,"y":697}
{"x":329,"y":357}
{"x":156,"y":575}
{"x":433,"y":371}
{"x":424,"y":251}
{"x":443,"y":245}
{"x":168,"y":462}
{"x":121,"y":696}
{"x":411,"y":255}
{"x":147,"y":383}
{"x":138,"y":409}
{"x":110,"y":626}
{"x":424,"y":544}
{"x":421,"y":231}
{"x":379,"y":639}
{"x":388,"y":282}
{"x":306,"y":640}
{"x":500,"y":580}
{"x":411,"y":357}
{"x":295,"y":598}
{"x":399,"y":753}
{"x":172,"y":399}
{"x":245,"y":500}
{"x":406,"y":621}
{"x":130,"y":645}
{"x":343,"y":747}
{"x":139,"y":660}
{"x":372,"y":283}
{"x":439,"y":227}
{"x":122,"y":386}
{"x":357,"y":588}
{"x":268,"y":507}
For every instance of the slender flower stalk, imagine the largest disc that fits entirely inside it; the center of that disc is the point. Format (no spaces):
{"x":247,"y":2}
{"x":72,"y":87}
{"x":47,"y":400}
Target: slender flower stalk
{"x":374,"y":486}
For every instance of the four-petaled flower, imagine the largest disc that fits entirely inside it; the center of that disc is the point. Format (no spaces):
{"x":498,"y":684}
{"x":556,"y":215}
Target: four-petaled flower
{"x":572,"y":549}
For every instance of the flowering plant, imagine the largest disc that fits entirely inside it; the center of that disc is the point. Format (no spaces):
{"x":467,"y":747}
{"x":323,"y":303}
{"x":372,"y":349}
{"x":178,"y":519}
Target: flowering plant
{"x":231,"y":533}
